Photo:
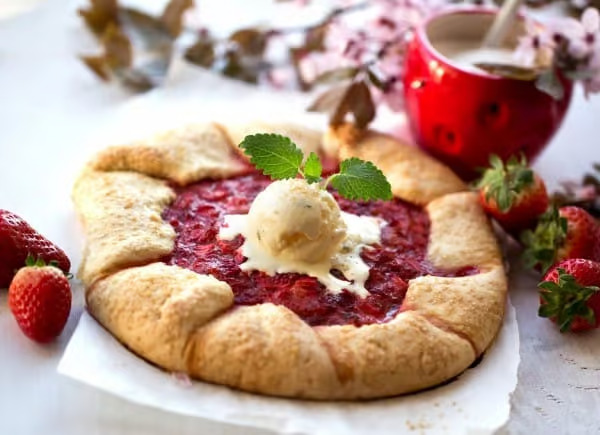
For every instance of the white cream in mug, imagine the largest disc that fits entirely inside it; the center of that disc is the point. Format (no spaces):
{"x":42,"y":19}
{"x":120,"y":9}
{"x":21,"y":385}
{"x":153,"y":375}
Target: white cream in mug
{"x":468,"y":53}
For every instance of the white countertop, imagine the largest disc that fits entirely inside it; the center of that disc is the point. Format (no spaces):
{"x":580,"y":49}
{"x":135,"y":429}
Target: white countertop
{"x":559,"y":375}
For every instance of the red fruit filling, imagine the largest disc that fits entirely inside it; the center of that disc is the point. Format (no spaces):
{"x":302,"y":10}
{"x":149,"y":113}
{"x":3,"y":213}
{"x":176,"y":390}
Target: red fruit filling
{"x":197,"y":215}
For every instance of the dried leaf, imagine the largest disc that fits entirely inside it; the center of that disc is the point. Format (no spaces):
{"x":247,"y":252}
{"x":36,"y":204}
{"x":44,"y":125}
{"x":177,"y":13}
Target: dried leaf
{"x":136,"y":80}
{"x":580,"y":75}
{"x":329,"y":100}
{"x":152,"y":47}
{"x":296,"y":55}
{"x":235,"y":68}
{"x":172,"y":16}
{"x":99,"y":15}
{"x":145,"y":30}
{"x":98,"y":65}
{"x":336,"y":75}
{"x":340,"y":101}
{"x":510,"y":71}
{"x":361,"y":104}
{"x":375,"y":80}
{"x":117,"y":48}
{"x":549,"y":83}
{"x":250,"y":42}
{"x":201,"y":53}
{"x":314,"y":40}
{"x":344,"y":107}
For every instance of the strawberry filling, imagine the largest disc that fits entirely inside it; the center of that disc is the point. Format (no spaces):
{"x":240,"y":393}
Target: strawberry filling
{"x":197,"y":214}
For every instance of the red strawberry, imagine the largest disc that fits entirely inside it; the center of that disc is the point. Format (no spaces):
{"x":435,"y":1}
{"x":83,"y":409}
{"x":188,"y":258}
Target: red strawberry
{"x":40,"y":299}
{"x":512,"y":194}
{"x":18,"y":240}
{"x":569,"y":232}
{"x":570,"y":295}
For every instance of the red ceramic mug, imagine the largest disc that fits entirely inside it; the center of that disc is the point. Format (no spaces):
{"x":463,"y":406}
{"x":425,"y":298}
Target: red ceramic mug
{"x":461,"y":115}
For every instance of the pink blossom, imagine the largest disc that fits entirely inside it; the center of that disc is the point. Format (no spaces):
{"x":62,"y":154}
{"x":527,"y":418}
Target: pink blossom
{"x":383,"y":28}
{"x":392,"y":96}
{"x":590,"y":21}
{"x":317,"y":63}
{"x":281,"y":76}
{"x":537,"y":44}
{"x":346,"y":42}
{"x":407,"y":13}
{"x":392,"y":61}
{"x":581,"y":35}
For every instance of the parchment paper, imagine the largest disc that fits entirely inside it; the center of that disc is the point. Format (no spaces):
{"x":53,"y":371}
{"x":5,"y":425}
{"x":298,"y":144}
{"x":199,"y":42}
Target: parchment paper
{"x":476,"y":403}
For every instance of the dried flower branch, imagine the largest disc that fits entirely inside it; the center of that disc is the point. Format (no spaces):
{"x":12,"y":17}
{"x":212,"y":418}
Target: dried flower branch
{"x":136,"y":47}
{"x":360,"y":60}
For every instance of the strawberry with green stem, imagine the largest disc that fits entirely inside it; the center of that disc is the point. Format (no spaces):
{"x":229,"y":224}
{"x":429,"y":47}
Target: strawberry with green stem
{"x":512,"y":194}
{"x":39,"y":298}
{"x":570,"y":296}
{"x":568,"y":232}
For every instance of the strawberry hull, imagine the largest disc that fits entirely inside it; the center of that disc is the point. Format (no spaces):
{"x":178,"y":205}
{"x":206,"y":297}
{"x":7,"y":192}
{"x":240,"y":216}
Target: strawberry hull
{"x":570,"y":295}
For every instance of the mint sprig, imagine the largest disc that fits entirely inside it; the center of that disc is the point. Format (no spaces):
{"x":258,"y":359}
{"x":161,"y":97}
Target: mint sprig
{"x":279,"y":157}
{"x":361,"y":180}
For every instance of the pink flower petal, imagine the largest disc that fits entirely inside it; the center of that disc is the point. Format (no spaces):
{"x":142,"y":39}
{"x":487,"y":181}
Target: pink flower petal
{"x":578,"y":48}
{"x":590,"y":20}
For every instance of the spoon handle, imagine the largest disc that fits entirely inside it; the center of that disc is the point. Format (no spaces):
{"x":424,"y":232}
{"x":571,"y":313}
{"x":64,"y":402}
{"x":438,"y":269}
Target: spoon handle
{"x":502,"y":24}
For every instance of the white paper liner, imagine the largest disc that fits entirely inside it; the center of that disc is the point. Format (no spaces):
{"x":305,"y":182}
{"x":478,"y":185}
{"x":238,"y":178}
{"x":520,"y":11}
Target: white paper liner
{"x":477,"y":402}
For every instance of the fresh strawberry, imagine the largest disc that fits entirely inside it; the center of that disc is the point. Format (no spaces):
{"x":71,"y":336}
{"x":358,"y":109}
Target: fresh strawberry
{"x":18,"y":240}
{"x":512,"y":194}
{"x":570,"y":296}
{"x":569,"y":232}
{"x":39,"y":297}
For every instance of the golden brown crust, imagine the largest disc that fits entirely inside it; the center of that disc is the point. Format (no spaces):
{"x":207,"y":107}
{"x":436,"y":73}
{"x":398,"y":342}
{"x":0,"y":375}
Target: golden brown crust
{"x":414,"y":176}
{"x":183,"y":155}
{"x":406,"y":354}
{"x":155,"y":309}
{"x":184,"y":321}
{"x":121,"y":215}
{"x":461,"y":234}
{"x":266,"y":349}
{"x":470,"y":306}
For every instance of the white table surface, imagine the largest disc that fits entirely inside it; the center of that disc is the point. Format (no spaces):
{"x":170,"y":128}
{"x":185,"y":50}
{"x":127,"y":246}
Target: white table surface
{"x":559,"y":376}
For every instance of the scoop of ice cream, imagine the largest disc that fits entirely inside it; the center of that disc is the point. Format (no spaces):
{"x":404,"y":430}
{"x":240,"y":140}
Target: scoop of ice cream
{"x":296,"y":221}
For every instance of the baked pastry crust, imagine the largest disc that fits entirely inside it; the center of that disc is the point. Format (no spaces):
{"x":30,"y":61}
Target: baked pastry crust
{"x":184,"y":321}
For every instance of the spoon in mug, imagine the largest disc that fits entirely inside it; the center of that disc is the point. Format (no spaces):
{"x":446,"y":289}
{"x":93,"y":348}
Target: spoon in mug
{"x":502,"y":24}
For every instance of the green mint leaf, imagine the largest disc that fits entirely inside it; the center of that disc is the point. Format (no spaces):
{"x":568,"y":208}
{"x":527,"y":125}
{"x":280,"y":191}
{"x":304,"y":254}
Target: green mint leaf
{"x":361,"y":180}
{"x":275,"y":155}
{"x":313,"y":168}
